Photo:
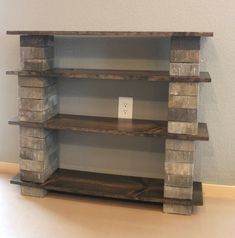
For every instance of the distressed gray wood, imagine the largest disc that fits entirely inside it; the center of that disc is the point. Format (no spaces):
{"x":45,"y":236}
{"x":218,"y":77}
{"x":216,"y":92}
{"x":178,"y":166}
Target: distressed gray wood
{"x":177,"y":209}
{"x":175,"y":180}
{"x":27,"y":53}
{"x":183,"y":89}
{"x":182,"y":114}
{"x":182,"y":145}
{"x":184,"y":169}
{"x":179,"y":156}
{"x":38,"y":143}
{"x":37,"y":92}
{"x":184,"y":69}
{"x":37,"y":64}
{"x":37,"y":116}
{"x":35,"y":81}
{"x":34,"y":132}
{"x":38,"y":104}
{"x":35,"y":192}
{"x":36,"y":40}
{"x":178,"y":193}
{"x":189,"y":102}
{"x":188,"y":128}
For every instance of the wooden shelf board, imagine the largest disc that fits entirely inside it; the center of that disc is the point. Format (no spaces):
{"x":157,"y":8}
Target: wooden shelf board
{"x":113,"y":126}
{"x":114,"y":33}
{"x":111,"y":186}
{"x":109,"y":74}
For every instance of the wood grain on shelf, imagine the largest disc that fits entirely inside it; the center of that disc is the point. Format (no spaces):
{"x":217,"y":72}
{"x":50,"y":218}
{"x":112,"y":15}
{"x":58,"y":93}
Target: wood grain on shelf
{"x":111,"y":186}
{"x":114,"y":33}
{"x":113,"y":126}
{"x":110,"y":74}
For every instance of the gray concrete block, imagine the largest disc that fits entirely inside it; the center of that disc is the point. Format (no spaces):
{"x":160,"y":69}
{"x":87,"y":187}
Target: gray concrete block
{"x":35,"y":81}
{"x":189,"y":102}
{"x":36,"y":53}
{"x":178,"y":156}
{"x":38,"y":104}
{"x":37,"y":155}
{"x":178,"y":193}
{"x":36,"y":92}
{"x":175,"y":180}
{"x":182,"y":114}
{"x":182,"y":145}
{"x":36,"y":40}
{"x":34,"y":132}
{"x":177,"y":209}
{"x":184,"y":56}
{"x":183,"y":89}
{"x":185,"y":43}
{"x":187,"y":128}
{"x":35,"y":192}
{"x":184,"y":169}
{"x":38,"y":143}
{"x":37,"y":116}
{"x":37,"y":64}
{"x":184,"y":69}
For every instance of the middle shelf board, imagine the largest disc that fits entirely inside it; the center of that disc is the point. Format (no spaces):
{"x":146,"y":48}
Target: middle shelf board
{"x":110,"y":74}
{"x":113,"y":126}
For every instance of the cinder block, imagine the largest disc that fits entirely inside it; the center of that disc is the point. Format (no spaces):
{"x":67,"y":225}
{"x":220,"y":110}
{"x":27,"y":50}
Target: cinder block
{"x":35,"y":192}
{"x":183,"y":89}
{"x":37,"y":64}
{"x":175,"y":180}
{"x":37,"y":155}
{"x":188,"y":128}
{"x":185,"y":43}
{"x":184,"y":69}
{"x":38,"y":172}
{"x":178,"y":156}
{"x":178,"y":193}
{"x":38,"y":104}
{"x":185,"y":56}
{"x":37,"y":116}
{"x":34,"y":132}
{"x":184,"y":169}
{"x":177,"y":209}
{"x":182,"y":145}
{"x":37,"y":92}
{"x":38,"y":143}
{"x":182,"y":114}
{"x":36,"y":40}
{"x":188,"y":102}
{"x":35,"y":81}
{"x":36,"y":52}
{"x":40,"y":166}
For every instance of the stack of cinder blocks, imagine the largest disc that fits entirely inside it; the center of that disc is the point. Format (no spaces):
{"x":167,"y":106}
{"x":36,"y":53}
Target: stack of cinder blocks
{"x":182,"y":119}
{"x":37,"y":103}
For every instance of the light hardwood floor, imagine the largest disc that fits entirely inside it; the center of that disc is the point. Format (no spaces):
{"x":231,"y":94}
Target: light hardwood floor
{"x":72,"y":216}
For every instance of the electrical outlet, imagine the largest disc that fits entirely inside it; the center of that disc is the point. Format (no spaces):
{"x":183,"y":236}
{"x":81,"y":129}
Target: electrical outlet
{"x":125,"y":107}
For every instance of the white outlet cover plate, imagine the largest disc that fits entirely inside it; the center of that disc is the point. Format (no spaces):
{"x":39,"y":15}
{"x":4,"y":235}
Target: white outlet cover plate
{"x":125,"y":107}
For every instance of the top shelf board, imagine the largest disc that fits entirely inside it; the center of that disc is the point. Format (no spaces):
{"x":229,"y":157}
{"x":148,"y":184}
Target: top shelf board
{"x":114,"y":33}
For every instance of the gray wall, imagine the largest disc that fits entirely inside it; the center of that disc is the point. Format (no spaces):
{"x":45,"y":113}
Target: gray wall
{"x":215,"y":161}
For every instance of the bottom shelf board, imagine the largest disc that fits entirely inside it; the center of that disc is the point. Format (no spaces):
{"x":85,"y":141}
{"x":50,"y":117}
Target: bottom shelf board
{"x":111,"y":186}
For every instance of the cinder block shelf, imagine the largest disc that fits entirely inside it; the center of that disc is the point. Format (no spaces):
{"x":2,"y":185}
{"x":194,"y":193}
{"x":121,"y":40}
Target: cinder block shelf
{"x":109,"y":74}
{"x":111,"y":186}
{"x":113,"y":126}
{"x":39,"y":119}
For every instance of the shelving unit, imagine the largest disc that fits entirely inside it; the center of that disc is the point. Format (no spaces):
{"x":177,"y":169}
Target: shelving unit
{"x":39,"y":120}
